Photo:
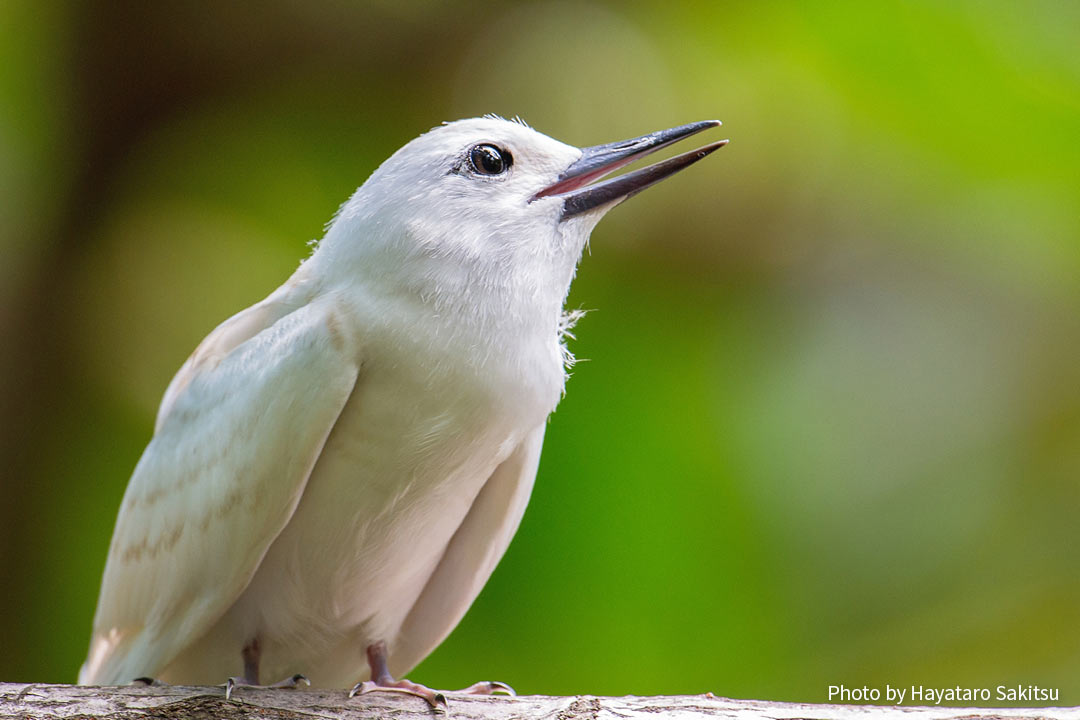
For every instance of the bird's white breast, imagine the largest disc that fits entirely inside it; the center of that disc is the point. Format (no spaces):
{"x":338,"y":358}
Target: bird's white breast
{"x":427,"y":424}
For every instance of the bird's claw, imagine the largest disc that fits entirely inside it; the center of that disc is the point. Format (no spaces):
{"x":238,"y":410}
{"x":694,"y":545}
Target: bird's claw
{"x":291,"y":682}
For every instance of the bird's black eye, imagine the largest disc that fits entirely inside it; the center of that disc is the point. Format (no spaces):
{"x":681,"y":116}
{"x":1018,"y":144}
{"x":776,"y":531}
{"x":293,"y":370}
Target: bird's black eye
{"x":489,"y":159}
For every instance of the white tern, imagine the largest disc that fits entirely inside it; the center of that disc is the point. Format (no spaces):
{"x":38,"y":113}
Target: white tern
{"x":336,"y":470}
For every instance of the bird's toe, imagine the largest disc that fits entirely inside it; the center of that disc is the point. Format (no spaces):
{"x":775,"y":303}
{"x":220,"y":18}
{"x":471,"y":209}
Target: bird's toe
{"x":488,"y":687}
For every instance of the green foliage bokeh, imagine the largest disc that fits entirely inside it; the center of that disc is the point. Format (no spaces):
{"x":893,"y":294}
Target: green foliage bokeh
{"x":827,"y":429}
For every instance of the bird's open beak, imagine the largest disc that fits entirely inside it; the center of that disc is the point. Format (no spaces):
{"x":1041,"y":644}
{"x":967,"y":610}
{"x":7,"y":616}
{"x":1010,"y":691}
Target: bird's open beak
{"x":599,"y":160}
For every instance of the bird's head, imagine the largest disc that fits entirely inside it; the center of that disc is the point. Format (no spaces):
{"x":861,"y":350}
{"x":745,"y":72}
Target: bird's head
{"x":488,"y":202}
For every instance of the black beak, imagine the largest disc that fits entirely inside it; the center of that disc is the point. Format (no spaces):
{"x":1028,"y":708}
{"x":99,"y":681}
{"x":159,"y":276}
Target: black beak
{"x":597,"y":161}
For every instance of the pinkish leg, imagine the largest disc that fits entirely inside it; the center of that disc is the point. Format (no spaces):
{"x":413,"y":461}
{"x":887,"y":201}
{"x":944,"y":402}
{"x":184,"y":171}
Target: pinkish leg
{"x":382,"y":681}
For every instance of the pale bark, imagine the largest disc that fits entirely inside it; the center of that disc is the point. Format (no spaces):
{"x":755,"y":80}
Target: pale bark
{"x":66,"y":701}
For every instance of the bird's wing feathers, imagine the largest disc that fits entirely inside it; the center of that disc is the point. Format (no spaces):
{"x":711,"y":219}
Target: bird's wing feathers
{"x":473,"y":552}
{"x":238,"y":329}
{"x":229,"y":460}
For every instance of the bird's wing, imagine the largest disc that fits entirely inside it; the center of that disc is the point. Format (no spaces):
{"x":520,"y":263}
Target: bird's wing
{"x":471,"y":556}
{"x":221,"y":477}
{"x":238,"y":329}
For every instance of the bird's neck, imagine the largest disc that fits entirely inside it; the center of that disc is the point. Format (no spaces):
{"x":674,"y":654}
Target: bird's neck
{"x":516,"y":294}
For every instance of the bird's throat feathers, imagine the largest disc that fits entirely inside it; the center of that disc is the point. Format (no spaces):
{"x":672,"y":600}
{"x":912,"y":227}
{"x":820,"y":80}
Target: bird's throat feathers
{"x":471,"y":272}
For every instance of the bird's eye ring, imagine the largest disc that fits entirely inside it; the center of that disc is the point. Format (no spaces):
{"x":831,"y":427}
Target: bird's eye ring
{"x":487,"y":159}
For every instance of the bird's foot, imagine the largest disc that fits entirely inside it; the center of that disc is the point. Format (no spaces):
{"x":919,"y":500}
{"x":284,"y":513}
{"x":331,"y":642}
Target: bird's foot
{"x":147,"y":682}
{"x":383,"y":681}
{"x":434,"y":698}
{"x":290,"y":682}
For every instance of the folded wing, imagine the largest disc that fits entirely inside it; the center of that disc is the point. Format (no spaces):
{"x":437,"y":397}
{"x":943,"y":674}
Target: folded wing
{"x":471,"y":556}
{"x":240,"y":429}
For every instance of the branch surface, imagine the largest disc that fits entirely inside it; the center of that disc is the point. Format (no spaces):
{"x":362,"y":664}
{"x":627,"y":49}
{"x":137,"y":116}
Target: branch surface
{"x":20,"y":700}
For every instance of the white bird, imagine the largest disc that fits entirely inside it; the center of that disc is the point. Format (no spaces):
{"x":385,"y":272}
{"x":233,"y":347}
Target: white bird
{"x":336,"y":470}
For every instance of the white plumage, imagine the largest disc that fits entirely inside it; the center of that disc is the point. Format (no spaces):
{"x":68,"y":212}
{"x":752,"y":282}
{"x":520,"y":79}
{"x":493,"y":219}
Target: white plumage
{"x":345,"y":462}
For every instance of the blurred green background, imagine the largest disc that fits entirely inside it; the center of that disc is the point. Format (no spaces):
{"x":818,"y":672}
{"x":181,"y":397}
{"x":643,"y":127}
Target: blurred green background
{"x":829,"y":427}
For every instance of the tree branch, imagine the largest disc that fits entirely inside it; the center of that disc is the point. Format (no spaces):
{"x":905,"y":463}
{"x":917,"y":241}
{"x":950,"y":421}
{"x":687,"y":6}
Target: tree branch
{"x":19,"y":700}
